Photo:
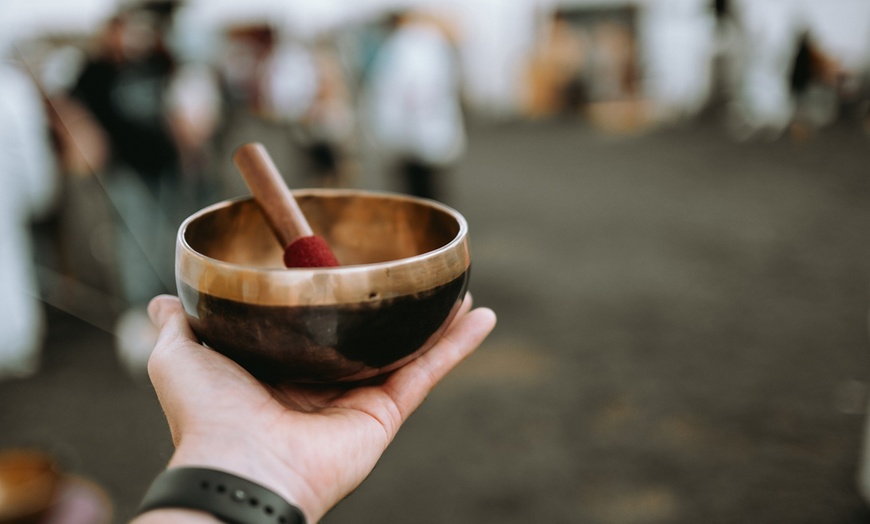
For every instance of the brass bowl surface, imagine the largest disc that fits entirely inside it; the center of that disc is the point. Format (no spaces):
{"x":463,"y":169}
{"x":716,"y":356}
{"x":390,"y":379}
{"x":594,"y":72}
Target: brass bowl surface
{"x":405,"y":265}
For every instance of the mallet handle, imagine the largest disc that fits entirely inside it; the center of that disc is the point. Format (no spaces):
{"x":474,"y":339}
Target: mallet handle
{"x":270,"y":191}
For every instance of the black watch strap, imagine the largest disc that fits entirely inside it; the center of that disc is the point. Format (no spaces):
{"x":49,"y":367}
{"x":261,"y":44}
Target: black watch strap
{"x":230,"y":498}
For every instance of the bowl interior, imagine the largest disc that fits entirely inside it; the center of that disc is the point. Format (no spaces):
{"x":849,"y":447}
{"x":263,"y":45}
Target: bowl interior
{"x":360,"y":229}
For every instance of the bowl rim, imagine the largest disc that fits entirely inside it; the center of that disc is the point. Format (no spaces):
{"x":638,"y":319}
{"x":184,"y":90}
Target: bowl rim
{"x":460,"y":236}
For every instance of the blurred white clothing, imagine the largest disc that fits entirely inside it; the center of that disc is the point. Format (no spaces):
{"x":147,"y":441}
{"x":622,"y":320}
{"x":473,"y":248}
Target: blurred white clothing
{"x":677,"y":42}
{"x":414,"y":97}
{"x":290,"y":82}
{"x":195,"y":97}
{"x":28,"y":179}
{"x":770,"y":32}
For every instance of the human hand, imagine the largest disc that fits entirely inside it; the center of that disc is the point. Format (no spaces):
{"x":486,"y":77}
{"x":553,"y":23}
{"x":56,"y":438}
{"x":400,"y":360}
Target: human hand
{"x":310,"y":444}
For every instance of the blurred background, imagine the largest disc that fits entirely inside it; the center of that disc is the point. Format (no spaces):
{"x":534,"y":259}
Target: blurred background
{"x":668,"y":203}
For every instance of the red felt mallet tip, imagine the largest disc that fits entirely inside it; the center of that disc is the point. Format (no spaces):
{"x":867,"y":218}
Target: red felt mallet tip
{"x":309,"y":252}
{"x":301,"y":247}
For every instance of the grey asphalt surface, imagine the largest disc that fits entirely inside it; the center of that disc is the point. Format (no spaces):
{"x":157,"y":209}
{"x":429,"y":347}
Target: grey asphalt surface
{"x":682,"y":338}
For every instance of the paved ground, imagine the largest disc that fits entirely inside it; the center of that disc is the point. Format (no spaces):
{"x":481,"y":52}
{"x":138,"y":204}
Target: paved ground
{"x":682,"y":339}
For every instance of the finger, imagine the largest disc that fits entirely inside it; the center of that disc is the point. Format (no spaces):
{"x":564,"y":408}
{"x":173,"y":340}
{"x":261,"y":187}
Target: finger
{"x":467,"y":302}
{"x":168,"y":314}
{"x":178,"y":365}
{"x":178,"y":352}
{"x":159,"y":309}
{"x":409,"y":385}
{"x":464,"y":308}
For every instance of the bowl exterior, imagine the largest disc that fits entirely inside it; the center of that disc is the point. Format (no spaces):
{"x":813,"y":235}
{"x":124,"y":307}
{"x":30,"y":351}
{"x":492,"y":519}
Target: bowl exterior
{"x":342,"y":342}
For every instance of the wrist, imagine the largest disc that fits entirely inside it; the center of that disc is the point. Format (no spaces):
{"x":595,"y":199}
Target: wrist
{"x":247,"y":460}
{"x":225,"y":496}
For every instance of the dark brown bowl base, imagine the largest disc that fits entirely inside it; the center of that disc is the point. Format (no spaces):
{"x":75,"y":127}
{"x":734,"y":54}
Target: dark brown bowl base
{"x":375,"y":337}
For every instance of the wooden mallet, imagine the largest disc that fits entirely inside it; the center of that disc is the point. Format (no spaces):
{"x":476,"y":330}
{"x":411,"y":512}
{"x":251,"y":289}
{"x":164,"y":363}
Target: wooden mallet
{"x":301,"y":247}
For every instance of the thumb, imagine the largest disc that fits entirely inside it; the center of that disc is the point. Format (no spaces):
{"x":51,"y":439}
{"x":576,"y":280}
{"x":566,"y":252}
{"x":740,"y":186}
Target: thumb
{"x":162,"y":308}
{"x":168,"y":315}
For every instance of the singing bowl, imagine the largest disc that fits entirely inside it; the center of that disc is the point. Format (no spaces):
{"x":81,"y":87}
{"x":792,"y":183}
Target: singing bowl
{"x":403,"y":275}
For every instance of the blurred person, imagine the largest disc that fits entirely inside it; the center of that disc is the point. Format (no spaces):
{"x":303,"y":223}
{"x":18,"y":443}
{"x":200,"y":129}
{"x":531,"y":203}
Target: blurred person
{"x":30,"y":184}
{"x":614,"y":62}
{"x":306,"y":88}
{"x":327,"y":126}
{"x":289,"y":80}
{"x":559,"y":69}
{"x":567,"y":51}
{"x":253,"y":57}
{"x":797,"y":63}
{"x":309,"y":445}
{"x":126,"y":87}
{"x":414,"y":103}
{"x":196,"y":99}
{"x":762,"y":104}
{"x":814,"y":79}
{"x":195,"y":108}
{"x":726,"y":44}
{"x":82,"y":149}
{"x":616,"y":105}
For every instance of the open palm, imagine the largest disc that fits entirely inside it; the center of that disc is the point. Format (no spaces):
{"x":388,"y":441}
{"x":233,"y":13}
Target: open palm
{"x":311,"y":444}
